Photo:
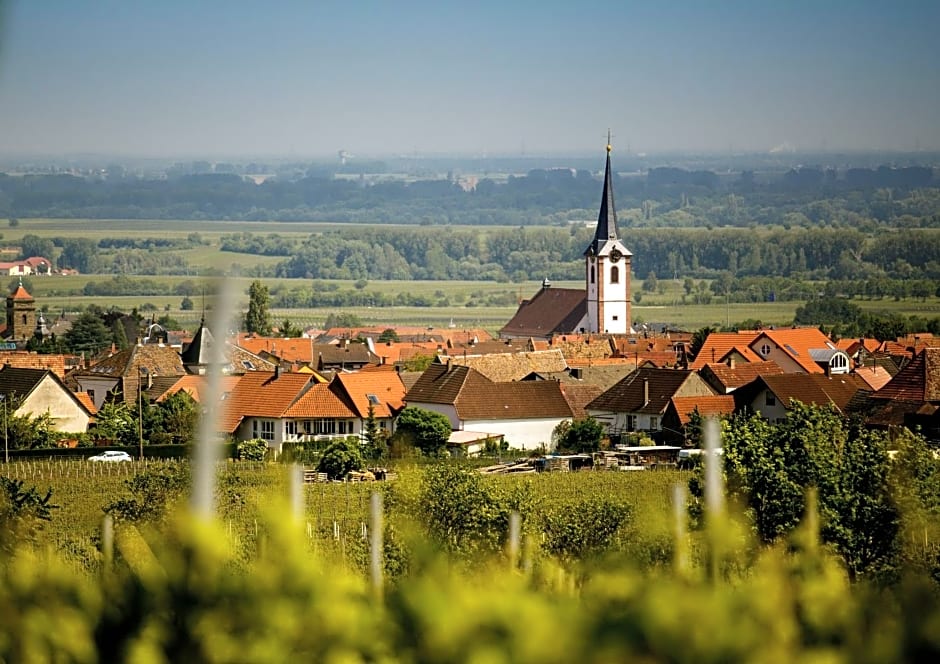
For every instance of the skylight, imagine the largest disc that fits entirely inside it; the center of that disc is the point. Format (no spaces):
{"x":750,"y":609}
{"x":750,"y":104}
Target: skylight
{"x":791,"y":349}
{"x":372,"y":399}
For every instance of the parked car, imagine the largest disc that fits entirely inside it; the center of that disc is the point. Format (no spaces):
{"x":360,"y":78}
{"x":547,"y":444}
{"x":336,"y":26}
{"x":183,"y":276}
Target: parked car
{"x":111,"y":455}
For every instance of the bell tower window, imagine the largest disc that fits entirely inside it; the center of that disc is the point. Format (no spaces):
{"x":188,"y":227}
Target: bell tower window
{"x":592,"y":274}
{"x":615,"y":275}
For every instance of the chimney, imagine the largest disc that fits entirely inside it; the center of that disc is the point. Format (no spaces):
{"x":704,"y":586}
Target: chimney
{"x":731,"y":361}
{"x":646,"y":391}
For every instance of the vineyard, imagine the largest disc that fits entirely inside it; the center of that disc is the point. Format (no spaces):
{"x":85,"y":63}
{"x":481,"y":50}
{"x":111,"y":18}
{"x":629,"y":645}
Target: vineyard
{"x":441,"y":565}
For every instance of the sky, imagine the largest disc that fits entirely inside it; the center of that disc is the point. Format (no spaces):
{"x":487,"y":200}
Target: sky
{"x":214,"y":79}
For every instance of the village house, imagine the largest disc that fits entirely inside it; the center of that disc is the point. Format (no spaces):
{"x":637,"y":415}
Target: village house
{"x":912,"y":398}
{"x":524,"y":413}
{"x":772,"y":396}
{"x":38,"y":392}
{"x":679,"y":413}
{"x":639,"y":401}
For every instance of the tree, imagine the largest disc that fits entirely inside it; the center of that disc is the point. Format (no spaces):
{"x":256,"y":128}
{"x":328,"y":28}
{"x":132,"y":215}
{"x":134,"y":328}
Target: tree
{"x":88,"y":334}
{"x":288,"y":329}
{"x":341,"y":457}
{"x":258,"y":320}
{"x":118,"y":335}
{"x":116,"y":423}
{"x":650,"y":283}
{"x":14,"y":222}
{"x":583,"y":435}
{"x":178,"y":417}
{"x":375,"y":438}
{"x":186,"y":304}
{"x":33,"y":245}
{"x":698,"y":340}
{"x":388,"y":334}
{"x":425,"y":429}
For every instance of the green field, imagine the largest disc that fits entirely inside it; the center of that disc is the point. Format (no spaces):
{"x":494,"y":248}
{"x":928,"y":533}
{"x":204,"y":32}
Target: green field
{"x":665,"y":305}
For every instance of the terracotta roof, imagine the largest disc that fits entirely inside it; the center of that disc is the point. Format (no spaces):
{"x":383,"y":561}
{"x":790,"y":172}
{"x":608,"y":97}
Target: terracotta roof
{"x":718,"y":344}
{"x":86,"y":401}
{"x":817,"y":389}
{"x":875,"y":376}
{"x":917,"y":382}
{"x":727,"y":379}
{"x":398,"y":351}
{"x":722,"y":404}
{"x":31,"y":360}
{"x":384,"y":385}
{"x":550,"y":311}
{"x":263,"y":394}
{"x":797,"y":343}
{"x":288,"y":349}
{"x":196,"y":385}
{"x":318,"y":402}
{"x":21,"y":294}
{"x":512,"y":366}
{"x":630,"y":396}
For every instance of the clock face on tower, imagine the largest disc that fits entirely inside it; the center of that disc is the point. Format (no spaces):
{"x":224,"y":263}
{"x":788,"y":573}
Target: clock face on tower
{"x":615,"y":255}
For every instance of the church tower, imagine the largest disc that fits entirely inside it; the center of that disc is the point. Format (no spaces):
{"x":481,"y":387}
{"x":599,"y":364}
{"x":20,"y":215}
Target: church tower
{"x":21,"y":314}
{"x":607,"y":269}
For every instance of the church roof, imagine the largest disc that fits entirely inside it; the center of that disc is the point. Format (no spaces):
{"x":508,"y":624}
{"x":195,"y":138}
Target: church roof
{"x":551,"y":311}
{"x":21,"y":294}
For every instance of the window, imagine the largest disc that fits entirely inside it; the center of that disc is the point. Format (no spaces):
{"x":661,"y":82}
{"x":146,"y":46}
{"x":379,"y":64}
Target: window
{"x":769,"y":398}
{"x":382,"y":424}
{"x":592,"y":274}
{"x":248,"y":365}
{"x":290,"y":427}
{"x":308,"y":427}
{"x":838,"y":362}
{"x":342,"y":427}
{"x":615,"y":317}
{"x":631,"y":422}
{"x":615,"y":275}
{"x":765,"y":350}
{"x":374,"y":400}
{"x":654,"y":423}
{"x":267,"y":429}
{"x":91,"y":395}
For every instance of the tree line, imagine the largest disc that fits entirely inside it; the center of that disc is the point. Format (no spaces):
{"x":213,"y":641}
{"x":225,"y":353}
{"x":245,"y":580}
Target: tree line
{"x":666,"y":196}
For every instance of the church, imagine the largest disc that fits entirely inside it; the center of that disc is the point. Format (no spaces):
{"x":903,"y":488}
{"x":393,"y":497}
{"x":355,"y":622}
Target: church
{"x":602,"y":306}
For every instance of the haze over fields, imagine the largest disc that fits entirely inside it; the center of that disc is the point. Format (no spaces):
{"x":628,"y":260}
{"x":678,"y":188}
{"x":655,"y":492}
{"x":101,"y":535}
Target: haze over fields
{"x":216,"y":78}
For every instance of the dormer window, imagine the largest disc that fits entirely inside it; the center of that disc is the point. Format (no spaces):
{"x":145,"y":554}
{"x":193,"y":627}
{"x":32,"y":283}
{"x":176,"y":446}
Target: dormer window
{"x":765,"y":350}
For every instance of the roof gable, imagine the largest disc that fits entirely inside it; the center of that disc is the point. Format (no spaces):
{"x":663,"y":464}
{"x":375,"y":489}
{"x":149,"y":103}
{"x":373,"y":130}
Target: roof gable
{"x":383,"y":389}
{"x":722,"y":404}
{"x":810,"y":389}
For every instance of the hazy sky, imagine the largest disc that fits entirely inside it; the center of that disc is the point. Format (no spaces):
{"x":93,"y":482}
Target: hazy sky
{"x":232,"y":78}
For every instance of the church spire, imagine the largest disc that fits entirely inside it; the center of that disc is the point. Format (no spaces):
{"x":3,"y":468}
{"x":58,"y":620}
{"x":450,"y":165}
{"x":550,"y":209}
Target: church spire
{"x":607,"y":216}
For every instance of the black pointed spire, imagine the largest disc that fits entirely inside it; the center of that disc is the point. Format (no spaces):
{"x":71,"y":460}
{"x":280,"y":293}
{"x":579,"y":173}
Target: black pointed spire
{"x":607,"y":216}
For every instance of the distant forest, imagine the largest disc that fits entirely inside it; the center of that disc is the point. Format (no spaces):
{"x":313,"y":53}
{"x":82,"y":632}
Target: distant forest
{"x":662,"y":197}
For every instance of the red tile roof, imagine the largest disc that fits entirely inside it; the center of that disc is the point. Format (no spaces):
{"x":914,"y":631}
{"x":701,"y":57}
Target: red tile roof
{"x":196,"y":385}
{"x":876,"y":376}
{"x":718,"y":344}
{"x":384,"y":385}
{"x":725,"y":378}
{"x":918,"y":382}
{"x":318,"y":402}
{"x":722,"y":404}
{"x":263,"y":394}
{"x":646,"y":390}
{"x":796,"y":343}
{"x":815,"y":388}
{"x":21,"y":294}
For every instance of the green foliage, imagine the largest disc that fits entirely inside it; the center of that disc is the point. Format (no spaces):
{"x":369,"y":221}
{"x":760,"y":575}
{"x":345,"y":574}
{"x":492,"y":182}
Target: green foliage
{"x":289,"y":330}
{"x":28,"y":432}
{"x":186,"y":304}
{"x":425,"y":429}
{"x":463,"y":513}
{"x":388,"y":334}
{"x":770,"y":468}
{"x":251,"y":450}
{"x":116,"y":423}
{"x":340,"y":457}
{"x":152,"y":493}
{"x":342,"y":319}
{"x":258,"y":319}
{"x":22,"y":513}
{"x":88,"y":334}
{"x":576,"y":531}
{"x":176,"y":418}
{"x":579,"y":436}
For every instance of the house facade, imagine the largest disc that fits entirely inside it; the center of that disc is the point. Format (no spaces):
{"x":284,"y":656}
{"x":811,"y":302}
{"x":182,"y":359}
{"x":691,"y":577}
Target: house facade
{"x":39,"y":392}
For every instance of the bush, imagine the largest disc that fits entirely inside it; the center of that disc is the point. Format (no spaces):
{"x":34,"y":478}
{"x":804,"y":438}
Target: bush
{"x":252,"y":450}
{"x":341,"y":457}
